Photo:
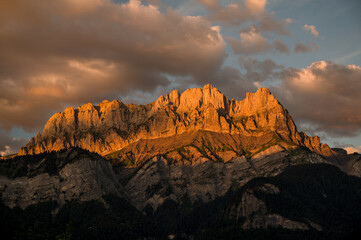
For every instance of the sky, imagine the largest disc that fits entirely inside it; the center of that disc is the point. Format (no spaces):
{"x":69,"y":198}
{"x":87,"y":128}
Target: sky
{"x":60,"y":53}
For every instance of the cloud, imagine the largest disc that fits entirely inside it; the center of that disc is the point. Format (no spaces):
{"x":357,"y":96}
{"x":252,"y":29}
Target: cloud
{"x":323,"y":98}
{"x":252,"y":38}
{"x":280,"y":46}
{"x":311,"y":29}
{"x":210,"y":4}
{"x":70,"y":52}
{"x":256,"y":6}
{"x":303,"y":48}
{"x":234,"y":14}
{"x":157,"y":3}
{"x":326,"y":95}
{"x":253,"y":42}
{"x":269,"y":23}
{"x":260,"y":71}
{"x":351,"y":150}
{"x":233,"y":83}
{"x":10,"y":145}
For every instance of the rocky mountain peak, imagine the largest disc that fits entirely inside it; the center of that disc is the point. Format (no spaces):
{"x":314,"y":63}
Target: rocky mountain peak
{"x":110,"y":126}
{"x":193,"y":98}
{"x":263,"y":98}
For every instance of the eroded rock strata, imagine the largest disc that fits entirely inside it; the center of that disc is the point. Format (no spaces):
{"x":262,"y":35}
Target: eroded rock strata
{"x":111,"y":126}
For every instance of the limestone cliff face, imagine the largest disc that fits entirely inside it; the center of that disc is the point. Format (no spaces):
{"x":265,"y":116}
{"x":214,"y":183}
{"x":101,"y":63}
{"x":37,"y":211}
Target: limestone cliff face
{"x":84,"y":177}
{"x":110,"y":126}
{"x":161,"y":179}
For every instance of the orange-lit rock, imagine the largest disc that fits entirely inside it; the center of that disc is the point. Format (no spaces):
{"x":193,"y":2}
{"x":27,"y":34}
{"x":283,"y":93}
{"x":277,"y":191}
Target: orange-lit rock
{"x":110,"y":126}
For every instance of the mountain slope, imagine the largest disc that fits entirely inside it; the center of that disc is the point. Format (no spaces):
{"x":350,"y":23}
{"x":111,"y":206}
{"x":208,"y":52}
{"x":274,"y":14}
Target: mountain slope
{"x":310,"y":201}
{"x":58,"y":176}
{"x":307,"y":201}
{"x":111,"y":126}
{"x":159,"y":179}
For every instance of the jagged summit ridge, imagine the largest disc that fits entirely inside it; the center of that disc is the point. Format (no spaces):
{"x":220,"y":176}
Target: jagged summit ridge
{"x":110,"y":126}
{"x":193,"y":98}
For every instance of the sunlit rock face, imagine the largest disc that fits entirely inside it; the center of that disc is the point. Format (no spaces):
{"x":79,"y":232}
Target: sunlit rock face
{"x":110,"y":126}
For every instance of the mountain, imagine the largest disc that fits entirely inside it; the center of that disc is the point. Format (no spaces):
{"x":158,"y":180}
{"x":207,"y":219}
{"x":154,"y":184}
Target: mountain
{"x":57,"y":176}
{"x":194,"y":165}
{"x":75,"y":194}
{"x":307,"y":201}
{"x":172,"y":122}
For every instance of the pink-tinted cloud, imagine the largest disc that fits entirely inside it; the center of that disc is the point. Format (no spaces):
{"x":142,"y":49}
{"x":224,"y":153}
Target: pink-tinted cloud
{"x":326,"y":95}
{"x":311,"y":29}
{"x":256,"y":6}
{"x":232,"y":14}
{"x":252,"y":42}
{"x":351,"y":150}
{"x":236,"y":13}
{"x":210,"y":4}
